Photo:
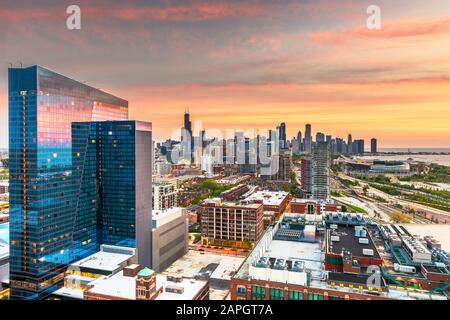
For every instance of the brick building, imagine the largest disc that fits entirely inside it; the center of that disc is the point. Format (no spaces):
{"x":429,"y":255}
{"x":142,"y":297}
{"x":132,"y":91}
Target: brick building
{"x":231,"y":224}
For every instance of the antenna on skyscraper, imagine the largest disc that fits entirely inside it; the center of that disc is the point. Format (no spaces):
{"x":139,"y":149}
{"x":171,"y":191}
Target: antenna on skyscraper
{"x":10,"y":64}
{"x":21,"y":64}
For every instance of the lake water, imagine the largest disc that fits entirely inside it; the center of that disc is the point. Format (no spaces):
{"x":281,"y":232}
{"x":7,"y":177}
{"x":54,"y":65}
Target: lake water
{"x":4,"y":232}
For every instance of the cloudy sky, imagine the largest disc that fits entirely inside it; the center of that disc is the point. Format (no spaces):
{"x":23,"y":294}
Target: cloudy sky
{"x":250,"y":64}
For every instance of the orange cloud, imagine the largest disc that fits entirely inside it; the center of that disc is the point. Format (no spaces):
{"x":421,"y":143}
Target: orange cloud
{"x":388,"y":31}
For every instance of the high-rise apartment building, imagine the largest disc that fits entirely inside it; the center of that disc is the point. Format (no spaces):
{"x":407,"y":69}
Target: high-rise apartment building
{"x":165,"y":196}
{"x":373,"y":145}
{"x":247,"y":156}
{"x":48,"y":179}
{"x":321,"y":161}
{"x":306,"y":175}
{"x":284,"y":167}
{"x":358,"y":146}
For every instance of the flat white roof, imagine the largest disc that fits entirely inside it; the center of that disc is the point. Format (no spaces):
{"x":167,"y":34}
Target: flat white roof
{"x":117,"y":286}
{"x":70,"y":292}
{"x":4,"y":250}
{"x":191,"y":288}
{"x":124,"y":287}
{"x":308,"y":252}
{"x":163,"y":216}
{"x":191,"y":263}
{"x":105,"y":261}
{"x":269,"y":198}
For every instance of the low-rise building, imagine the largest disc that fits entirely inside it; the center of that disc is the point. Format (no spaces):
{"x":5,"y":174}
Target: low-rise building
{"x":4,"y":186}
{"x":275,"y":201}
{"x":113,"y":274}
{"x":289,"y":263}
{"x":234,"y":179}
{"x":311,"y":206}
{"x":169,"y":237}
{"x":231,"y":224}
{"x":146,"y":285}
{"x":234,"y":193}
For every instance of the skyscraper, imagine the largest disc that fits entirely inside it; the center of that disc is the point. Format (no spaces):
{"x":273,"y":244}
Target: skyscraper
{"x":44,"y":193}
{"x":350,"y":144}
{"x":299,"y":139}
{"x":321,"y":161}
{"x":187,"y":122}
{"x":306,"y":175}
{"x":373,"y":145}
{"x":115,"y":193}
{"x":187,"y":138}
{"x":358,"y":146}
{"x":320,"y":137}
{"x":308,"y":138}
{"x":282,"y":135}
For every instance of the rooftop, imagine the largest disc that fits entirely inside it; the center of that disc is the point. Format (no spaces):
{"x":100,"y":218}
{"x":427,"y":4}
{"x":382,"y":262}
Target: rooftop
{"x":348,"y":241}
{"x":282,"y":256}
{"x":102,"y":261}
{"x":220,"y":202}
{"x":195,"y":262}
{"x":269,"y":198}
{"x":124,"y":287}
{"x":161,"y":217}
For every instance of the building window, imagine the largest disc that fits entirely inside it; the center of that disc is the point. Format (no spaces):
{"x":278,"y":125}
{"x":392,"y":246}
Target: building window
{"x":313,"y":296}
{"x":241,"y":290}
{"x":335,"y":298}
{"x":141,"y":292}
{"x":258,"y":293}
{"x":276,"y":294}
{"x":295,"y":295}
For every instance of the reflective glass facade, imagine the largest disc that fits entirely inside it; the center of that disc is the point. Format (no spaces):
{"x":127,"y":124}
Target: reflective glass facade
{"x":44,"y":185}
{"x":109,"y":169}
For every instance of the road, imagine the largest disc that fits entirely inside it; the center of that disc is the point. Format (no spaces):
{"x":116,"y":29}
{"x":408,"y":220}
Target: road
{"x":379,"y":211}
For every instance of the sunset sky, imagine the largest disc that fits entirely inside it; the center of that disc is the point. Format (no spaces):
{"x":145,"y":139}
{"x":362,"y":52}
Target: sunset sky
{"x":250,"y":64}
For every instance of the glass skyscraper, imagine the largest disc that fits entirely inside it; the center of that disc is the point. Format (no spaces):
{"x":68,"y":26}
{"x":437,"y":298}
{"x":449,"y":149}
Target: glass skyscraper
{"x":115,"y":194}
{"x":44,"y":186}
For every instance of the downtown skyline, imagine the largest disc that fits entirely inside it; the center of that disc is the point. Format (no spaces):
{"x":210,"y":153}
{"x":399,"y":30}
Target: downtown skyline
{"x":251,"y":64}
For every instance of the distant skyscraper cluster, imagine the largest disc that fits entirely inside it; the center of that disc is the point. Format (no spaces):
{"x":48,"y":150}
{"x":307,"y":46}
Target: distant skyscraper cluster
{"x":337,"y":145}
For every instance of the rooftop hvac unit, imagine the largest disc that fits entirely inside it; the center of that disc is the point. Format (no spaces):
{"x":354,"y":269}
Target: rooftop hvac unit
{"x":176,"y":279}
{"x":368,"y":252}
{"x":262,"y":262}
{"x":174,"y":289}
{"x":335,"y":238}
{"x":402,"y":268}
{"x":297,"y":266}
{"x":363,"y":240}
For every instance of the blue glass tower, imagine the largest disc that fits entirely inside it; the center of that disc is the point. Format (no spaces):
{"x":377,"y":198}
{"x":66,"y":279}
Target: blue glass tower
{"x":114,"y":171}
{"x":44,"y":182}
